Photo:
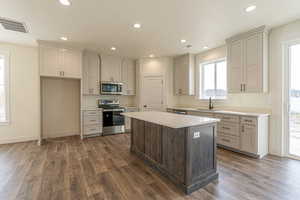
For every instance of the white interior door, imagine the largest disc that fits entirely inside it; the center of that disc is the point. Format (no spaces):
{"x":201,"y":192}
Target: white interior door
{"x":294,"y":101}
{"x":152,"y":93}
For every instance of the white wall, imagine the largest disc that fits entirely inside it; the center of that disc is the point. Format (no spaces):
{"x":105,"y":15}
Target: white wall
{"x":60,"y":99}
{"x":24,"y":95}
{"x":91,"y":101}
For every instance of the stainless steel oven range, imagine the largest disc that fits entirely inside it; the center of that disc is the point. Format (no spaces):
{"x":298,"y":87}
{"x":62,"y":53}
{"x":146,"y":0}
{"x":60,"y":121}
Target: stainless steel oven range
{"x":113,"y":121}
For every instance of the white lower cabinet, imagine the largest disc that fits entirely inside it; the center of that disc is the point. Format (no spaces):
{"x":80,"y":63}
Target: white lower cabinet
{"x":245,"y":134}
{"x":228,"y":140}
{"x":91,"y":123}
{"x":248,"y":138}
{"x":127,"y":119}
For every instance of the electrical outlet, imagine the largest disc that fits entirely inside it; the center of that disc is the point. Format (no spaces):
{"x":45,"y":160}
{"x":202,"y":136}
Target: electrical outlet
{"x":196,"y":135}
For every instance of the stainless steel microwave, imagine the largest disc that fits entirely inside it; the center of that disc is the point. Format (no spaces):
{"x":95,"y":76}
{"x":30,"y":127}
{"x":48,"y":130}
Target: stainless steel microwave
{"x":111,"y":88}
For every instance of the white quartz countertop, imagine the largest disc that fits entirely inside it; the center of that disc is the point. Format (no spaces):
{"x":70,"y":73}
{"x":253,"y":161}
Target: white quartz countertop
{"x":222,"y":111}
{"x":170,"y":119}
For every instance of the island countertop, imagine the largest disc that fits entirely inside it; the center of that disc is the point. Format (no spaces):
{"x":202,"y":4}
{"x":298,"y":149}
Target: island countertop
{"x":170,"y":119}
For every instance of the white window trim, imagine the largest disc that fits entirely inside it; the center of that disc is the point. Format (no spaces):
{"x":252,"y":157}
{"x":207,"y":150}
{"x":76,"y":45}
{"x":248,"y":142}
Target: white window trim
{"x":200,"y":82}
{"x":7,"y":85}
{"x":286,"y":96}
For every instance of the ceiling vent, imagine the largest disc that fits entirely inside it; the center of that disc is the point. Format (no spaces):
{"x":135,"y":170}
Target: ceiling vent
{"x":13,"y":25}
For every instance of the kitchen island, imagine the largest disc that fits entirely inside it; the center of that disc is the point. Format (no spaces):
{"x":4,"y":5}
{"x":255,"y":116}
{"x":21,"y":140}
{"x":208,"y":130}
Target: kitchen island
{"x":181,"y":147}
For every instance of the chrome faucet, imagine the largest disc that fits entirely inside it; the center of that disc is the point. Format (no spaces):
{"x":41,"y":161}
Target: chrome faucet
{"x":210,"y":104}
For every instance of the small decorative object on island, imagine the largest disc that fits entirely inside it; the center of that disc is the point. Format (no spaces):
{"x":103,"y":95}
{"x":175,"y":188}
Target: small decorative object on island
{"x":180,"y":147}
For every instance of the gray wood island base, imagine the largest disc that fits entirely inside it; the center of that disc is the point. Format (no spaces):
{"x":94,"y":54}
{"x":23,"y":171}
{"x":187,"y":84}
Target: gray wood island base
{"x":185,"y":155}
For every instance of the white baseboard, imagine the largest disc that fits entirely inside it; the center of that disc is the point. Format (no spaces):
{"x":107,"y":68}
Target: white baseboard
{"x":17,"y":140}
{"x":58,"y":135}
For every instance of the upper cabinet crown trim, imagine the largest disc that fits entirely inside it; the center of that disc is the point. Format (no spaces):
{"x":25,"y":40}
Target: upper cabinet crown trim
{"x":59,"y":45}
{"x":240,"y":36}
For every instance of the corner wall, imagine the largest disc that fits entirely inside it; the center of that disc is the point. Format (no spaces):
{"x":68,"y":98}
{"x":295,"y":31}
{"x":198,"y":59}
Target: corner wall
{"x":24,"y":95}
{"x":278,"y":36}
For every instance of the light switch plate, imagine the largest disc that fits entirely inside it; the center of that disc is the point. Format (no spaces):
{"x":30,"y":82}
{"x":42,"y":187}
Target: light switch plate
{"x":196,"y":135}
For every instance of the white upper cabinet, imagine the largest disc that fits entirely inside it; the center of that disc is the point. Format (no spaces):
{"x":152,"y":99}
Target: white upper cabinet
{"x":128,"y":76}
{"x":49,"y":61}
{"x":253,"y":77}
{"x":184,"y":82}
{"x":91,"y":73}
{"x":59,"y":62}
{"x":247,"y":62}
{"x":235,"y":71}
{"x":111,"y":68}
{"x":72,"y":63}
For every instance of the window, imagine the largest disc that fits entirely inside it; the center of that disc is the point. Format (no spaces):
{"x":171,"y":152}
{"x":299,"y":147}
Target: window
{"x":213,"y":80}
{"x":4,"y":80}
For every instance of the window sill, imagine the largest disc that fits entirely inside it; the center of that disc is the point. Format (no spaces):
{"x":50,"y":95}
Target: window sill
{"x":4,"y":123}
{"x":212,"y":99}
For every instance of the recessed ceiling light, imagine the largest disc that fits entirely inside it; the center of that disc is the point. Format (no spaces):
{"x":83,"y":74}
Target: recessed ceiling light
{"x":250,"y":8}
{"x":205,"y":47}
{"x":113,"y":48}
{"x":137,"y":25}
{"x":65,"y":2}
{"x":64,"y":38}
{"x":151,"y":56}
{"x":183,"y":41}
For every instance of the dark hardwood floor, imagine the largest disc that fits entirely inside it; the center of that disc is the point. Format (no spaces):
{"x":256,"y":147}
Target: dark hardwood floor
{"x":103,"y":168}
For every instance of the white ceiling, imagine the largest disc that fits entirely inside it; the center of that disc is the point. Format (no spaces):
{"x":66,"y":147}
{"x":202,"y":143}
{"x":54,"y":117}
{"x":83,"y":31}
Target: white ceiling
{"x":100,"y":24}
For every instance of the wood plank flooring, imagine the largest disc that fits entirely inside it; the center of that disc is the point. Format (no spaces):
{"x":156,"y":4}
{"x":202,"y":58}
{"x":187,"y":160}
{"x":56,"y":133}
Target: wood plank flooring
{"x":103,"y":168}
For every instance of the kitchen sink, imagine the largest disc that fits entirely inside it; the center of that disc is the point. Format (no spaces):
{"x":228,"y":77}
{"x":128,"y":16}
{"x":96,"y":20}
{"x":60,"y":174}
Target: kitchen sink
{"x":205,"y":110}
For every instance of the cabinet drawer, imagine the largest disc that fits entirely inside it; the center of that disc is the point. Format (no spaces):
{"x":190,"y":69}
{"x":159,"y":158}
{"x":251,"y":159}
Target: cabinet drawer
{"x":92,"y":113}
{"x":92,"y":129}
{"x":249,"y":120}
{"x":228,"y":118}
{"x":91,"y":119}
{"x":229,"y":129}
{"x":229,"y":141}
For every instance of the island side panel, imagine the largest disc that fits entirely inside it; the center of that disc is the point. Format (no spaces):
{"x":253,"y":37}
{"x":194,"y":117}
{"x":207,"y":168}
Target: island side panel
{"x":174,"y":152}
{"x":201,"y":156}
{"x":153,"y":142}
{"x":138,"y":135}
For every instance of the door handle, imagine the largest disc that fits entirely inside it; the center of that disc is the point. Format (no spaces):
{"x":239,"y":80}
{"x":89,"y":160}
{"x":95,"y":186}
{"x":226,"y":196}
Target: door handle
{"x":241,"y":87}
{"x":145,"y":106}
{"x":244,"y":87}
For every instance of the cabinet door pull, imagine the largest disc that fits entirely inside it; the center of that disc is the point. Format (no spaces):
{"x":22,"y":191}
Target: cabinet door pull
{"x":226,"y":128}
{"x":243,"y":128}
{"x":241,"y":87}
{"x":244,"y":89}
